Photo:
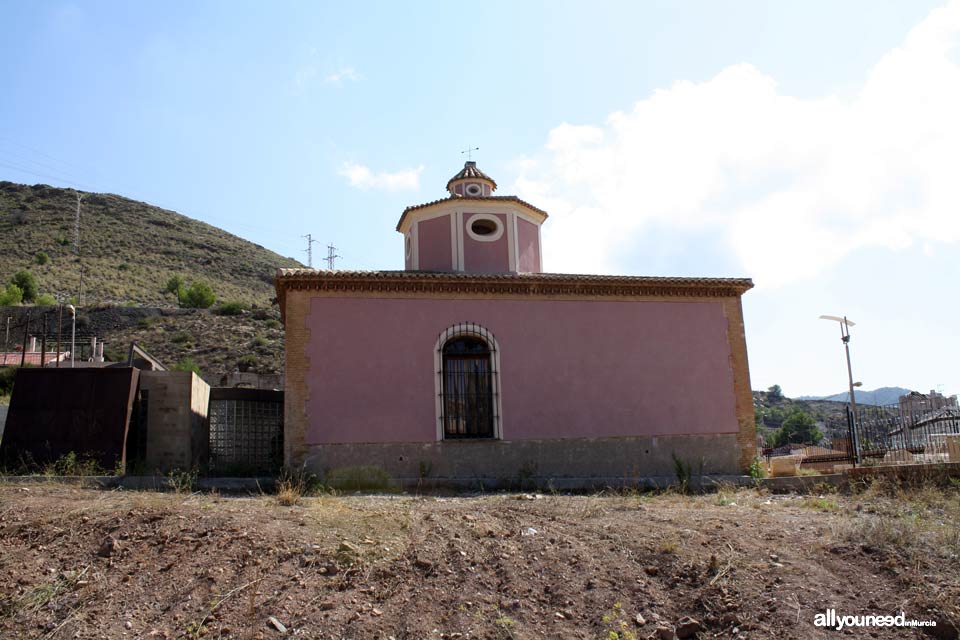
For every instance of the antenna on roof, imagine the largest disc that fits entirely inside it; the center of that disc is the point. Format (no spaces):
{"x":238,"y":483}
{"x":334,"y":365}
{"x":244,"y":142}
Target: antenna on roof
{"x":310,"y":242}
{"x":331,"y":256}
{"x":469,"y":151}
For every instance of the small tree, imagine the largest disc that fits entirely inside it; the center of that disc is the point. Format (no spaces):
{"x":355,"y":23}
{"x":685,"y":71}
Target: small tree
{"x":775,"y":392}
{"x":45,"y":300}
{"x":41,"y":258}
{"x":27,"y":283}
{"x":11,"y":295}
{"x":198,"y":296}
{"x":799,"y":428}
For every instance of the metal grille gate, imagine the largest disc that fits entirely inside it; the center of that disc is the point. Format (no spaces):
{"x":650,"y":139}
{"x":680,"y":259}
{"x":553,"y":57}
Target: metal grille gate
{"x":246,"y":431}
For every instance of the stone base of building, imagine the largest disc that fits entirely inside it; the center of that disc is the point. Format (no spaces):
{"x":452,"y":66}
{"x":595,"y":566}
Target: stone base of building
{"x":561,"y":464}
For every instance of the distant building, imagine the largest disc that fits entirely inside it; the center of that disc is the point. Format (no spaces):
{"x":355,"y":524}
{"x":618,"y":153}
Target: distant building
{"x":915,"y":404}
{"x":472,"y":366}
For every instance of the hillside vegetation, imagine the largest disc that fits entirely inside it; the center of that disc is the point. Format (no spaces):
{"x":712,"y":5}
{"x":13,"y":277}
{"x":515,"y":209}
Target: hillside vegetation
{"x":129,"y":249}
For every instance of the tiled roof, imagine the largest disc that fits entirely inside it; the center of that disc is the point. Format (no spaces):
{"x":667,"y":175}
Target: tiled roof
{"x":506,"y":284}
{"x":513,"y":199}
{"x":470,"y":171}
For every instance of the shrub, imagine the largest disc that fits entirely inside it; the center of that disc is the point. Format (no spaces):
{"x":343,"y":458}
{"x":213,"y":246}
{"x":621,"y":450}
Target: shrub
{"x":232,"y":308}
{"x":272,"y":324}
{"x":247,"y":362}
{"x":11,"y":295}
{"x":45,"y":300}
{"x":259,"y":341}
{"x":27,"y":283}
{"x":174,"y":285}
{"x":182,"y":338}
{"x":187,"y":364}
{"x":198,"y":296}
{"x":41,"y":258}
{"x":62,"y":240}
{"x":6,"y":380}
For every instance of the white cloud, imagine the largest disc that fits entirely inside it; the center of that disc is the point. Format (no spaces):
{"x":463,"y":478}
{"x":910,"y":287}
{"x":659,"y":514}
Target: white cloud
{"x":791,"y":185}
{"x":344,"y":73}
{"x":363,"y":178}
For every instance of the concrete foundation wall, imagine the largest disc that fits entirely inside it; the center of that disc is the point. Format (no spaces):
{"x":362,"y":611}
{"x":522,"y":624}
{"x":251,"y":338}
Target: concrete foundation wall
{"x":178,"y":433}
{"x":567,"y":463}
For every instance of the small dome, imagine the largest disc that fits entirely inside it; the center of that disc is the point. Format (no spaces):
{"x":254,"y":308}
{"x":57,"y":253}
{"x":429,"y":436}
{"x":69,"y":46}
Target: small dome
{"x":471,"y":172}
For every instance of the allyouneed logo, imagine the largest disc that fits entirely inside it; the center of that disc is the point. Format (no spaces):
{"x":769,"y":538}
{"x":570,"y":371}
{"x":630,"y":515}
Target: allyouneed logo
{"x":831,"y":619}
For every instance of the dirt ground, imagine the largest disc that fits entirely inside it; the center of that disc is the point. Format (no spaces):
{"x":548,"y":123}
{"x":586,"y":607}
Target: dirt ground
{"x":87,"y":563}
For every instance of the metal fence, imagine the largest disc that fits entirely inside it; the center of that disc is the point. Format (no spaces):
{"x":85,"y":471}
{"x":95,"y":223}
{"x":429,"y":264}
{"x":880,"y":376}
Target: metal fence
{"x":882,"y":432}
{"x":246,"y":431}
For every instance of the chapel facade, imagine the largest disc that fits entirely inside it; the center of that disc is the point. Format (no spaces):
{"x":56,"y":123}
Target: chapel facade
{"x":472,"y":366}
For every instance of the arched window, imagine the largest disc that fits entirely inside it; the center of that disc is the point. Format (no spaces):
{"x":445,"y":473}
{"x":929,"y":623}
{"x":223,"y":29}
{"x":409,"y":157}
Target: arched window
{"x":467,"y":384}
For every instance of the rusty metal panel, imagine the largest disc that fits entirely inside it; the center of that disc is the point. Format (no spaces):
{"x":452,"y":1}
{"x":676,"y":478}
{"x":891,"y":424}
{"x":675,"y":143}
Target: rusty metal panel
{"x":54,"y":412}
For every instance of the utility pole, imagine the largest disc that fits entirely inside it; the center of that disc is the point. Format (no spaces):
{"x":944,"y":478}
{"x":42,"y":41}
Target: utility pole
{"x":77,"y":247}
{"x":59,"y":329}
{"x":310,"y":242}
{"x":845,"y":338}
{"x":331,"y":256}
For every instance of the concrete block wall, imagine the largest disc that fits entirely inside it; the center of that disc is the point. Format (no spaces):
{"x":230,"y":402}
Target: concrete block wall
{"x":178,"y":435}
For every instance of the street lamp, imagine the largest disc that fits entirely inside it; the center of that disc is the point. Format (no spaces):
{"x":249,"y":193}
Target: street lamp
{"x":73,"y":333}
{"x":845,"y":336}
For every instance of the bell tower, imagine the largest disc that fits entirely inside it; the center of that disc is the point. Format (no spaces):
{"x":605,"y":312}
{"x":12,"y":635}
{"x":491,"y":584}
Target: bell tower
{"x":472,"y":230}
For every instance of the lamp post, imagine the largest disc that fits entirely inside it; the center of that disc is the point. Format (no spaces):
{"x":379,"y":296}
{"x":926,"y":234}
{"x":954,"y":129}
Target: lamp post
{"x":845,"y":337}
{"x":73,"y":333}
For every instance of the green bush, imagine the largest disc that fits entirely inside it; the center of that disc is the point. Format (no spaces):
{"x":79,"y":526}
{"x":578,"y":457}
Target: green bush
{"x":174,"y":285}
{"x":45,"y":300}
{"x":62,"y":240}
{"x":187,"y":364}
{"x":41,"y":258}
{"x":27,"y":283}
{"x":259,"y":341}
{"x":232,"y":308}
{"x":11,"y":295}
{"x":272,"y":324}
{"x":247,"y":362}
{"x":182,"y":338}
{"x":198,"y":296}
{"x":6,"y":380}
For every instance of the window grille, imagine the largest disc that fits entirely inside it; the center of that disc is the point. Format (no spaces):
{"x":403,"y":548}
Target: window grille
{"x":468,"y":385}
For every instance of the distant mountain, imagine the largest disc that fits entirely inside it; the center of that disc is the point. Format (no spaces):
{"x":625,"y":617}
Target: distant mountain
{"x":130,"y":249}
{"x":883,"y":395}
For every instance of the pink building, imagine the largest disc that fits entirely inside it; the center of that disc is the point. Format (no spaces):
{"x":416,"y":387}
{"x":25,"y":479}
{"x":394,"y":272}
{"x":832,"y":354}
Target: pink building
{"x":474,"y":367}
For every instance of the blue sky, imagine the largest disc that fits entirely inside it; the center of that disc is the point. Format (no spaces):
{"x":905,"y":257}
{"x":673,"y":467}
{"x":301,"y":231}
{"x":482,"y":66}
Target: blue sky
{"x":809,"y":145}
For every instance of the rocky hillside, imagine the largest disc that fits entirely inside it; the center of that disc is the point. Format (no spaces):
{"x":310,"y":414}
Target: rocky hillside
{"x":216,"y":345}
{"x":129,"y":249}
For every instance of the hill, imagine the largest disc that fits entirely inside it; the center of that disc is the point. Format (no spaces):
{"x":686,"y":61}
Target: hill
{"x":881,"y":396}
{"x":129,"y":249}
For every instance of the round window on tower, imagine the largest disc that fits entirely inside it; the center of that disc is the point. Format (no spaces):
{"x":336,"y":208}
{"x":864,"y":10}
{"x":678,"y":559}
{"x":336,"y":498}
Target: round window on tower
{"x":484,"y":227}
{"x":409,"y":244}
{"x":474,"y":190}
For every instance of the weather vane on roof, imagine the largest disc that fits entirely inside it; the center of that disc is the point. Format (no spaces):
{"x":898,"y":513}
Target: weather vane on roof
{"x":469,"y":152}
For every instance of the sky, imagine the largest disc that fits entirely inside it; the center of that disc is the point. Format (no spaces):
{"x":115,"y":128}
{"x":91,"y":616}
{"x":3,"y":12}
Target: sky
{"x":813,"y":146}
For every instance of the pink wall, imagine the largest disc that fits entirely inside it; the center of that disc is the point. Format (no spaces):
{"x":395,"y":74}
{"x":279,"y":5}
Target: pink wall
{"x":528,"y":242}
{"x":486,"y":257}
{"x":568,"y":368}
{"x":434,"y":241}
